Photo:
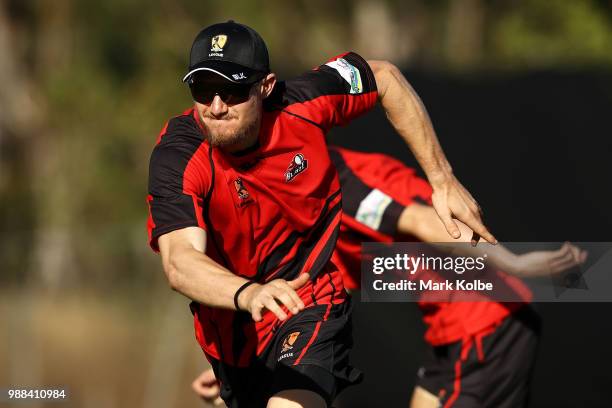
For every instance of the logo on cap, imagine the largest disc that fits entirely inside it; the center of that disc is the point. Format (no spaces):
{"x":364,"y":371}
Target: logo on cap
{"x":218,"y":42}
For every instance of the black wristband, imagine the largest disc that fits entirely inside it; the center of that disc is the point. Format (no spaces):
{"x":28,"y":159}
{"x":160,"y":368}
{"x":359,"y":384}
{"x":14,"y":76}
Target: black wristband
{"x":240,"y":289}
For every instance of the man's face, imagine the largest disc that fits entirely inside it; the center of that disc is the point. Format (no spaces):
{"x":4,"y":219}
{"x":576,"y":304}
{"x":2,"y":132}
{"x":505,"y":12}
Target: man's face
{"x":230,"y":113}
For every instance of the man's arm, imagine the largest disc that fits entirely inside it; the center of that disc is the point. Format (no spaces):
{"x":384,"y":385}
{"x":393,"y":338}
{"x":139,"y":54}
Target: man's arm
{"x":200,"y":278}
{"x":409,"y":117}
{"x":422,"y":222}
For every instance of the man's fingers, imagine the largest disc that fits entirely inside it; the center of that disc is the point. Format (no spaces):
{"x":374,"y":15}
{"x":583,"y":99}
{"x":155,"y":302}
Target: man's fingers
{"x":296,"y":299}
{"x":286,"y":299}
{"x":560,"y":266}
{"x":583,"y":256}
{"x":561,"y":252}
{"x":578,"y":254}
{"x":449,"y":224}
{"x":197,"y":386}
{"x":299,"y":281}
{"x":209,"y":392}
{"x":566,"y":258}
{"x":566,"y":255}
{"x":207,"y":377}
{"x":206,"y":385}
{"x":271,"y":305}
{"x":256,"y":312}
{"x":479,"y":230}
{"x":284,"y":287}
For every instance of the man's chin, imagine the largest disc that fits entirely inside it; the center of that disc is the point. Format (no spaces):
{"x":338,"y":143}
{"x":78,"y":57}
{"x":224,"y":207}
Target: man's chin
{"x":225,"y":139}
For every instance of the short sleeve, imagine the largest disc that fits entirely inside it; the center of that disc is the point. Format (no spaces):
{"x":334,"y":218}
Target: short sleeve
{"x":369,"y":206}
{"x":334,"y":93}
{"x":179,"y":179}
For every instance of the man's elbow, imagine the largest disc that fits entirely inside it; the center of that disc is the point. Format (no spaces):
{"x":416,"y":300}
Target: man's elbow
{"x":173,"y":274}
{"x":380,"y":66}
{"x":384,"y":73}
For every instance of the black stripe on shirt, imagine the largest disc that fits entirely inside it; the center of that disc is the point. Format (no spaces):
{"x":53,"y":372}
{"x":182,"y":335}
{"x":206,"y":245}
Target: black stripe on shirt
{"x":171,"y":208}
{"x":320,"y":82}
{"x":280,"y":252}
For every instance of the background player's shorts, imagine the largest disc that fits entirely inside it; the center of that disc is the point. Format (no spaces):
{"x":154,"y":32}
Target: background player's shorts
{"x":310,"y":351}
{"x":490,"y":369}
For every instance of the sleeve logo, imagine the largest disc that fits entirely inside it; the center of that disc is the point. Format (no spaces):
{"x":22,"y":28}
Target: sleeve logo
{"x":298,"y":165}
{"x":349,"y":73}
{"x":372,"y":208}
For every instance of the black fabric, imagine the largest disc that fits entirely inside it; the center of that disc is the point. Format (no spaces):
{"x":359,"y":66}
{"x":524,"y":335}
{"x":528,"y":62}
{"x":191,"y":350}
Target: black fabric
{"x":501,"y":380}
{"x":273,"y":259}
{"x":315,"y":83}
{"x":323,"y":368}
{"x":243,"y":47}
{"x":292,"y":269}
{"x":171,"y":208}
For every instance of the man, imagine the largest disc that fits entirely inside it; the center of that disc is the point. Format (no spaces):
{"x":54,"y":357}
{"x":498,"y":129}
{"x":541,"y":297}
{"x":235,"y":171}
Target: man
{"x":245,"y":211}
{"x":474,"y":345}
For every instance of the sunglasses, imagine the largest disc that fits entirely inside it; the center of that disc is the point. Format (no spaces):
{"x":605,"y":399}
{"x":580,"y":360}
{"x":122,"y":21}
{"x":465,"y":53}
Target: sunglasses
{"x":231,"y":94}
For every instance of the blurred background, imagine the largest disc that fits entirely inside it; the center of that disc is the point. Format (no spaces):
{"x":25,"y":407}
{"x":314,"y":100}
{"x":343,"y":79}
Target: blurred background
{"x":520,"y":93}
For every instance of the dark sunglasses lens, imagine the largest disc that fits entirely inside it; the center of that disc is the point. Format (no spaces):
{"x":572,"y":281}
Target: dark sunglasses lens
{"x":202,"y":93}
{"x":231,"y":94}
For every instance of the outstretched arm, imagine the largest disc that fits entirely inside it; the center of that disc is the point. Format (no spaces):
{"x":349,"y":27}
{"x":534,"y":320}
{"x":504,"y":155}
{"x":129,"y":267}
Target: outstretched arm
{"x":409,"y":117}
{"x":200,"y":278}
{"x":422,"y":222}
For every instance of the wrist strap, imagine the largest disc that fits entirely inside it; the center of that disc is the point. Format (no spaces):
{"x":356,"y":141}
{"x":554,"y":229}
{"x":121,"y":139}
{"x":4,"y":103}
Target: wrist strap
{"x":240,"y":289}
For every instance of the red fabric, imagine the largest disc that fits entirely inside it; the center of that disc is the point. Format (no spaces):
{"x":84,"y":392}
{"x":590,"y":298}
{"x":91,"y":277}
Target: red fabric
{"x":276,"y":209}
{"x":245,"y":230}
{"x":334,"y":110}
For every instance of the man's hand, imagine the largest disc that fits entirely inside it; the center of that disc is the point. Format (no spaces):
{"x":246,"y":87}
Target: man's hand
{"x":256,"y":298}
{"x":409,"y":118}
{"x":451,"y":200}
{"x":207,"y":387}
{"x":548,"y":263}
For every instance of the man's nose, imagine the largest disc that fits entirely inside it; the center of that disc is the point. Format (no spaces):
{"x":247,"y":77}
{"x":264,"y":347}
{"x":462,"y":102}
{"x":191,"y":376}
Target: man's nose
{"x":218,"y":108}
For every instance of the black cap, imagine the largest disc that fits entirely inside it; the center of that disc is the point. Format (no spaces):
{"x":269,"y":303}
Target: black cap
{"x":234,"y":51}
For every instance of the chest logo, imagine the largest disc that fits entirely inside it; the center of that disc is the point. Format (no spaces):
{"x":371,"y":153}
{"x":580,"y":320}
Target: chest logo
{"x":243,"y":193}
{"x":298,"y":165}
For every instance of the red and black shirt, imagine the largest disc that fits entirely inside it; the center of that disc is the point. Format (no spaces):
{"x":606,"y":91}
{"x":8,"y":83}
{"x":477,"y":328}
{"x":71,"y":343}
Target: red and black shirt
{"x":375,"y":190}
{"x":273,"y":212}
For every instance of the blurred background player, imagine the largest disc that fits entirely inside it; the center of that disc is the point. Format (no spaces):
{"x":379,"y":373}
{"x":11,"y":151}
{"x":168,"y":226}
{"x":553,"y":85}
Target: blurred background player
{"x":472,"y":359}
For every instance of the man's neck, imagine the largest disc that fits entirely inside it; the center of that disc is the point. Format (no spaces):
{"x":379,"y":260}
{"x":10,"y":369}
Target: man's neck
{"x":248,"y":144}
{"x":243,"y":152}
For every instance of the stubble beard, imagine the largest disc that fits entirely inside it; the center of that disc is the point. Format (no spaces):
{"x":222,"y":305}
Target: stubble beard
{"x":240,"y":138}
{"x":230,"y":139}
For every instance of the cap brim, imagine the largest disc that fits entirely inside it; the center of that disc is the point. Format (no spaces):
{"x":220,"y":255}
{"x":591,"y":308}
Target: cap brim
{"x":229,"y":71}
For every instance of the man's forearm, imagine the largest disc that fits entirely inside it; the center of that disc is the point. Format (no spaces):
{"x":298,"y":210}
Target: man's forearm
{"x":198,"y":277}
{"x":408,"y":116}
{"x":422,"y":222}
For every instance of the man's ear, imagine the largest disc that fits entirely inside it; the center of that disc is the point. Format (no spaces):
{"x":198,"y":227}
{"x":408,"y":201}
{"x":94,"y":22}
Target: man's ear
{"x":267,"y":85}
